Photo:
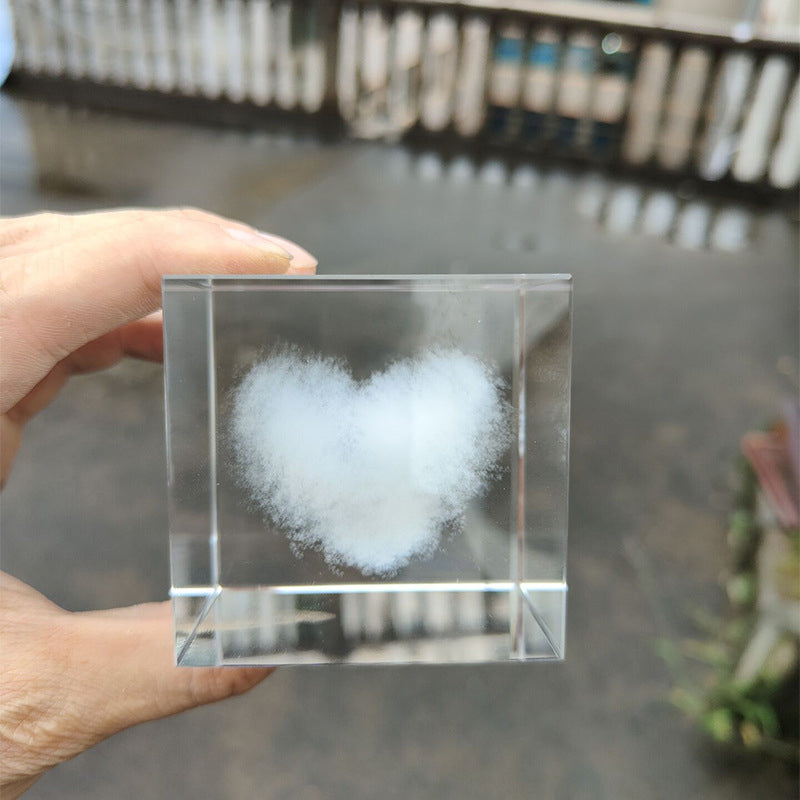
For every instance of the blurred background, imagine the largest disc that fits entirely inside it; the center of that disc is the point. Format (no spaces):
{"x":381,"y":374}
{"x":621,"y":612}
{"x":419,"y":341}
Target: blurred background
{"x":650,"y":149}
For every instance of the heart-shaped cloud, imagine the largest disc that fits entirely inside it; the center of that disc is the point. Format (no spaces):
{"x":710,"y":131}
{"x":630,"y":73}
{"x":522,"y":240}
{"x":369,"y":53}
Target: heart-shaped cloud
{"x":369,"y":471}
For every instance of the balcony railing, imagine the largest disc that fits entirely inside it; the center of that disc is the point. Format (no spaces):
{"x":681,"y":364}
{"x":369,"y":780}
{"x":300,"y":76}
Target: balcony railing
{"x":601,"y":82}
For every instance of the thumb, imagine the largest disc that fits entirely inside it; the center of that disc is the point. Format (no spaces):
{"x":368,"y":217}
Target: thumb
{"x":71,"y":680}
{"x":126,"y":671}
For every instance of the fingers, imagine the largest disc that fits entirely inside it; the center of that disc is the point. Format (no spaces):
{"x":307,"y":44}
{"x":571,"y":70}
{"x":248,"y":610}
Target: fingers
{"x":71,"y":680}
{"x":134,"y":678}
{"x":140,"y":339}
{"x":10,"y":439}
{"x":17,"y":232}
{"x":34,"y":232}
{"x":17,"y":598}
{"x":68,"y":281}
{"x":143,"y":339}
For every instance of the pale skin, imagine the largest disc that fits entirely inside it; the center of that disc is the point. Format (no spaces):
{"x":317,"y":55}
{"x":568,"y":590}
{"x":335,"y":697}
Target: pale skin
{"x":78,"y":294}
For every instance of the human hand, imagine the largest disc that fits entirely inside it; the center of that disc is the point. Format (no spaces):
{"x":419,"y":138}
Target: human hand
{"x":77,"y":294}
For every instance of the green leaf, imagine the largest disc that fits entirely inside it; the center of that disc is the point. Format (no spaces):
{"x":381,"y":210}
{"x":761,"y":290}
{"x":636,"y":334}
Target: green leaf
{"x":715,"y":654}
{"x":742,"y":589}
{"x":691,"y":703}
{"x":670,"y":653}
{"x":718,"y":722}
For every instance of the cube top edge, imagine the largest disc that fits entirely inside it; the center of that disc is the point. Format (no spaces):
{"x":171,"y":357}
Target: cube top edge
{"x":427,"y":282}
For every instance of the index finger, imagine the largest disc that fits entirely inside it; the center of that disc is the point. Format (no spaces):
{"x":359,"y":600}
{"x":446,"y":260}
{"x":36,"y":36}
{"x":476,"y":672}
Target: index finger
{"x":63,"y":296}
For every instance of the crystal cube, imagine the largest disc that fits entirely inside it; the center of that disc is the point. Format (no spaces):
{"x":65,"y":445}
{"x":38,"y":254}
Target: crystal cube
{"x":367,"y":469}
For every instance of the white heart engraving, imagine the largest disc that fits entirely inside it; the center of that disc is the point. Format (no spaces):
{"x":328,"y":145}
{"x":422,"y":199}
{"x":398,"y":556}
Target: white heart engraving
{"x":369,"y":472}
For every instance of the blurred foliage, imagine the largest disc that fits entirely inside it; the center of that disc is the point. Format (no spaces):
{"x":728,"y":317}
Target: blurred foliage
{"x":761,"y":714}
{"x":789,"y":570}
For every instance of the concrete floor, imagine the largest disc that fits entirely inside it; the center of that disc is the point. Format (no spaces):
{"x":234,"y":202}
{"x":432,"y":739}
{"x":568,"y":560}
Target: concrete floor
{"x":677,"y":353}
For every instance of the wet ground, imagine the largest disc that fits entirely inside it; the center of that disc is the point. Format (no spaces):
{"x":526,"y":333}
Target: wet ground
{"x":677,"y":352}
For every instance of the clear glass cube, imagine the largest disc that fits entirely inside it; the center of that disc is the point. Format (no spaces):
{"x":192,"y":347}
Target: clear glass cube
{"x":367,"y":469}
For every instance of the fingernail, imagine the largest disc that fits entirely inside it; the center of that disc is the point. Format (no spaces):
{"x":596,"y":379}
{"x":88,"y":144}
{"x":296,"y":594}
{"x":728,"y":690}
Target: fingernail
{"x":302,"y":260}
{"x":257,"y":239}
